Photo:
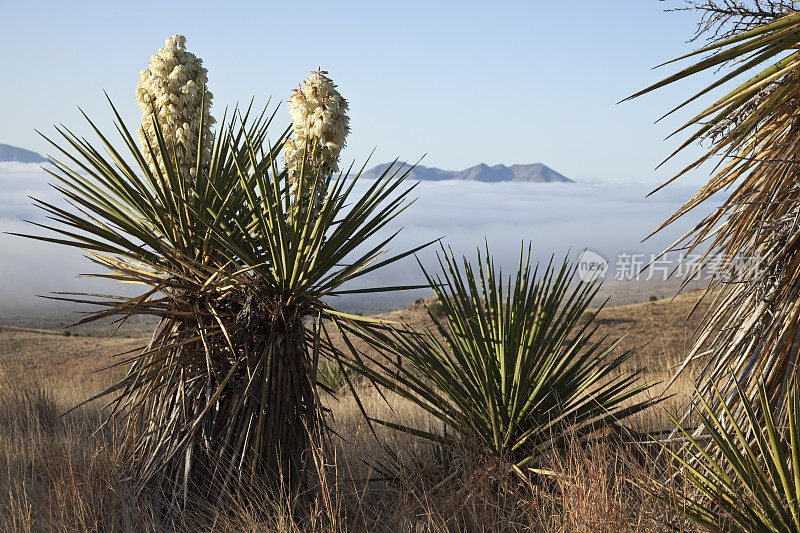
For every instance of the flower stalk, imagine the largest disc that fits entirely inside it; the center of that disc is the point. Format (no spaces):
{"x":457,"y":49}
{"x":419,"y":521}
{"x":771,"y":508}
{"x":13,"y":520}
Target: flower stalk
{"x":173,"y":97}
{"x":319,"y":130}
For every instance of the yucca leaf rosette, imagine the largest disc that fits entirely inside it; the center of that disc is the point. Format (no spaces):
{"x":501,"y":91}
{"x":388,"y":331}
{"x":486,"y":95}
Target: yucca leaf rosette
{"x":749,"y":233}
{"x":508,"y":368}
{"x":744,"y":475}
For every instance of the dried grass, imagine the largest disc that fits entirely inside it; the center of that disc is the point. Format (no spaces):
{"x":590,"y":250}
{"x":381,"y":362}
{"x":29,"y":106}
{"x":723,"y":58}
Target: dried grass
{"x":57,"y":475}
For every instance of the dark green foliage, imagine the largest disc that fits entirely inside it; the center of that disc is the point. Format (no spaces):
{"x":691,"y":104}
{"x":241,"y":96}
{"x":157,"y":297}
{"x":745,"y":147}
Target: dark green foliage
{"x":507,"y":369}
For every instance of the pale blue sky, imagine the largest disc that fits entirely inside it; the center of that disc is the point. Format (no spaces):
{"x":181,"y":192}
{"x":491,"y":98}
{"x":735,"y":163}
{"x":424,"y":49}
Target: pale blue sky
{"x":465,"y":82}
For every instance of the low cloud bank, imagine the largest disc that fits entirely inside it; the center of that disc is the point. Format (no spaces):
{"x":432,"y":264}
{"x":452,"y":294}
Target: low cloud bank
{"x":557,"y":218}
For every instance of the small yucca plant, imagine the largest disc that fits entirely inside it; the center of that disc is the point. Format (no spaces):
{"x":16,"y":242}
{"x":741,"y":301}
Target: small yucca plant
{"x":225,"y":392}
{"x":507,"y":368}
{"x":747,"y":477}
{"x":333,"y":377}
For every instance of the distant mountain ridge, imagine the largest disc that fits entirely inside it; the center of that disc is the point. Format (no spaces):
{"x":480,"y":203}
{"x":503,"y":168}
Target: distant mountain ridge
{"x":533,"y":173}
{"x":13,"y":154}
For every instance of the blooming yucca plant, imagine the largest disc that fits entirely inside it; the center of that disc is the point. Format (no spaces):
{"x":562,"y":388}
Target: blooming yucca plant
{"x":747,"y":477}
{"x":225,"y":392}
{"x":507,"y":369}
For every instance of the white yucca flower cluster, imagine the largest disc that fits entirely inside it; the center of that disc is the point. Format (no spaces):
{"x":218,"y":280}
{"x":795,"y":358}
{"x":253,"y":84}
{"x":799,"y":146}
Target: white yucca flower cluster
{"x":319,"y":128}
{"x":174,"y":85}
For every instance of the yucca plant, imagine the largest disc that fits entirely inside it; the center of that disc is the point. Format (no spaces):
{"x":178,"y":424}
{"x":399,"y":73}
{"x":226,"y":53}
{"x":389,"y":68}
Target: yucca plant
{"x":752,"y":333}
{"x":508,"y":368}
{"x":240,"y":279}
{"x":333,"y":377}
{"x":747,"y":477}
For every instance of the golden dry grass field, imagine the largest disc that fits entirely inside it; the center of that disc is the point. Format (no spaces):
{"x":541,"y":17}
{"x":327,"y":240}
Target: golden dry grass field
{"x":57,"y":473}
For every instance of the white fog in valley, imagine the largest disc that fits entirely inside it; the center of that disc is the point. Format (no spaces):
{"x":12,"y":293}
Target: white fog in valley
{"x":608,"y":218}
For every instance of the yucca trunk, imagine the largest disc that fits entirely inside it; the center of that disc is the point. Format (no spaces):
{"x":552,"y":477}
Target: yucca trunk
{"x":255,"y":432}
{"x":285,"y":407}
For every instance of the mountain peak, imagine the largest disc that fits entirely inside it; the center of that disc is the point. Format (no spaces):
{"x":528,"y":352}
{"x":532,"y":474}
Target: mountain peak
{"x":531,"y":173}
{"x":13,"y":154}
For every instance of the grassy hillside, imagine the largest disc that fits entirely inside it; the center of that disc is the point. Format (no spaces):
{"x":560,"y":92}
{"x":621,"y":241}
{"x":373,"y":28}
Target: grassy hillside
{"x":57,"y":474}
{"x":661,"y":329}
